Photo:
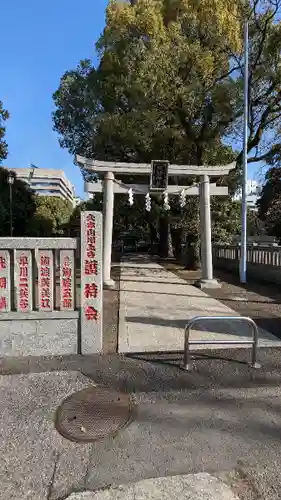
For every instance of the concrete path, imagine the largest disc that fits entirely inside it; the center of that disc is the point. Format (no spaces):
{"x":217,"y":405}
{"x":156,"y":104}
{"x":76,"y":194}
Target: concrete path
{"x":189,"y":487}
{"x":155,"y":305}
{"x":36,"y":463}
{"x":186,"y":431}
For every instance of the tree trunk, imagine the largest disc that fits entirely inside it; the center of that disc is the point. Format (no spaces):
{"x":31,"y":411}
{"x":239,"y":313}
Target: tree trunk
{"x":165,"y":240}
{"x":170,"y":242}
{"x":191,"y":257}
{"x":197,"y":243}
{"x":177,"y":243}
{"x":153,"y":238}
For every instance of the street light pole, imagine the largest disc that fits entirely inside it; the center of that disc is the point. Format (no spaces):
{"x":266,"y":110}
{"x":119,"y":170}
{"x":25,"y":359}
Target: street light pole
{"x":243,"y":258}
{"x":11,"y":182}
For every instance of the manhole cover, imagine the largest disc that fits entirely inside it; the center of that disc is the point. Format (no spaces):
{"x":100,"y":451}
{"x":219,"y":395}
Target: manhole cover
{"x":92,"y":414}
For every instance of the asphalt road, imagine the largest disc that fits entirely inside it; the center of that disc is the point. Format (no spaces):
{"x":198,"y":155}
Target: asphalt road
{"x":217,"y":420}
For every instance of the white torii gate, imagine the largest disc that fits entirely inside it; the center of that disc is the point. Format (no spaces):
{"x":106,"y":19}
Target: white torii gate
{"x":109,"y":186}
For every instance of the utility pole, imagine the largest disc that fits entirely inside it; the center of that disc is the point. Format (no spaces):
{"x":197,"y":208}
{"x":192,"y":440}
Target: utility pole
{"x":243,"y":258}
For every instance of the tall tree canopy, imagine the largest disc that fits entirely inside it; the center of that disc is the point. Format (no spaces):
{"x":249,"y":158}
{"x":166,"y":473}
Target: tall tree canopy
{"x":4,"y":115}
{"x":158,"y":90}
{"x":169,"y":84}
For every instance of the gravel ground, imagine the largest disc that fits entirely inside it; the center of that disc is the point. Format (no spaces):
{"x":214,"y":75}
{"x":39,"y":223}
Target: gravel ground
{"x":260,"y":301}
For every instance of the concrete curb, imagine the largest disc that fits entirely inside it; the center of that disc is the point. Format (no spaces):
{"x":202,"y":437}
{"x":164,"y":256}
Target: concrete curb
{"x":188,"y":487}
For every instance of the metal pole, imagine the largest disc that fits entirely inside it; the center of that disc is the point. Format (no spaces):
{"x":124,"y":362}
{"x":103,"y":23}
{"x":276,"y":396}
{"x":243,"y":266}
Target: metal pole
{"x":255,"y":364}
{"x":243,"y":259}
{"x":187,"y":364}
{"x":11,"y":207}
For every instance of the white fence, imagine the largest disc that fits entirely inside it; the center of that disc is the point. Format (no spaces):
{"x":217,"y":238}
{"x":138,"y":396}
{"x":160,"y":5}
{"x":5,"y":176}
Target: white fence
{"x":270,"y":256}
{"x":263,"y":263}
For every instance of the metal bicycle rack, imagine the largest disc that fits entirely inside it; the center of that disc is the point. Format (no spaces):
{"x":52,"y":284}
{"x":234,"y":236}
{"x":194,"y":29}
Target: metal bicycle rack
{"x":187,"y":362}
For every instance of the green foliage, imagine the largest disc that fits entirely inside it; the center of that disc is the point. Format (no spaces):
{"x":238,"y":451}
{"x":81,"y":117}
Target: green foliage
{"x":4,"y":115}
{"x":51,"y":215}
{"x":226,"y":220}
{"x":77,"y":106}
{"x":23,"y":205}
{"x":125,"y":217}
{"x":269,"y":203}
{"x":170,"y":83}
{"x":32,"y":215}
{"x":150,"y":95}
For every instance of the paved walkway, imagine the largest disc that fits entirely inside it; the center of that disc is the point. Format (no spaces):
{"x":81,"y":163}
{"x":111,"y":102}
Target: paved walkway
{"x":36,"y":463}
{"x":155,"y":305}
{"x":216,"y":420}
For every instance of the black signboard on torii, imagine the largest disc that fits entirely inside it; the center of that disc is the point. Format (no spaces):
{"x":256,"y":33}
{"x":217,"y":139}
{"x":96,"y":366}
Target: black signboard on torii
{"x":159,"y":175}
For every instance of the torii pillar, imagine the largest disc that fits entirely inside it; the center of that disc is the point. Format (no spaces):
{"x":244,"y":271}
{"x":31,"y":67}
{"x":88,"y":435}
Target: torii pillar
{"x":205,"y":191}
{"x":207,"y":280}
{"x":108,"y":214}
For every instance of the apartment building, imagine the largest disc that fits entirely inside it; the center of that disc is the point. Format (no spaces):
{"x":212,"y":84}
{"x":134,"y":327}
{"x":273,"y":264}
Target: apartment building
{"x":47,"y":182}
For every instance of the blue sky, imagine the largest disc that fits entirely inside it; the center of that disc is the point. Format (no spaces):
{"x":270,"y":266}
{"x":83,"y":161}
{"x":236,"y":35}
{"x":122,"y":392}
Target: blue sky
{"x":40,"y":41}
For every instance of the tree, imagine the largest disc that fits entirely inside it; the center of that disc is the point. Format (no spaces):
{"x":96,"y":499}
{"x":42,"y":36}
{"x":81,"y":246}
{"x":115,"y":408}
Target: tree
{"x":264,"y":83}
{"x":169,"y":84}
{"x":4,"y":115}
{"x":51,"y":215}
{"x":73,"y":227}
{"x":128,"y":109}
{"x":269,"y":204}
{"x":159,"y":63}
{"x":226,"y":221}
{"x":125,"y":217}
{"x":23,"y":206}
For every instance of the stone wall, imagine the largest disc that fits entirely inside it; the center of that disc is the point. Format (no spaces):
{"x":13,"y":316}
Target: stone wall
{"x":43,"y":310}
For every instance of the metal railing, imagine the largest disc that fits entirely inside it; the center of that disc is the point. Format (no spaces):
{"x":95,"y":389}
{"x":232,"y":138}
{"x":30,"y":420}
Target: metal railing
{"x":187,"y":364}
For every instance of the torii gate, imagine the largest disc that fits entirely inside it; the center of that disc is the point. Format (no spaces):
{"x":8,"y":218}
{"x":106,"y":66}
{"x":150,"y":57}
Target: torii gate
{"x":110,"y":185}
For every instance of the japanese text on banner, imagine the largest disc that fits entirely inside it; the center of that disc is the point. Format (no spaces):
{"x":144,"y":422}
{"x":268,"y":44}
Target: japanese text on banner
{"x":45,"y":282}
{"x":91,"y":270}
{"x":23,"y":283}
{"x":67,"y":282}
{"x":3,"y":284}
